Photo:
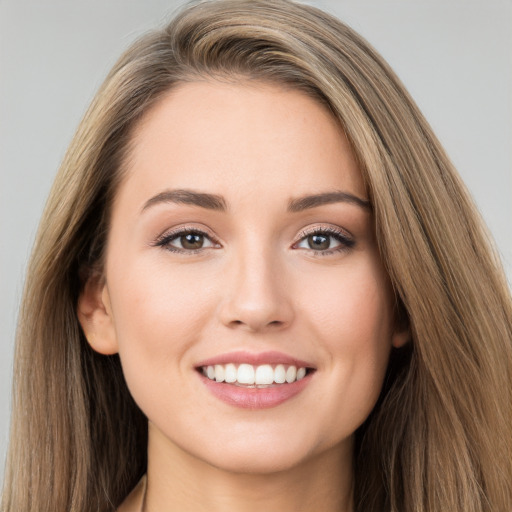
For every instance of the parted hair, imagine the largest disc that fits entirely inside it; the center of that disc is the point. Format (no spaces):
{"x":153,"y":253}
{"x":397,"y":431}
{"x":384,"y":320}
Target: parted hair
{"x":440,"y":436}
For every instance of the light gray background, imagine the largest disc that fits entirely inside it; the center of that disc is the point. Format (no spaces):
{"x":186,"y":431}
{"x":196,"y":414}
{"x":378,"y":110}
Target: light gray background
{"x":455,"y":57}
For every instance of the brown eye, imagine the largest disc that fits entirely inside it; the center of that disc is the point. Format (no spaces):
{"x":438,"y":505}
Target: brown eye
{"x":319,"y":242}
{"x":325,"y":241}
{"x":192,"y":241}
{"x":186,"y":241}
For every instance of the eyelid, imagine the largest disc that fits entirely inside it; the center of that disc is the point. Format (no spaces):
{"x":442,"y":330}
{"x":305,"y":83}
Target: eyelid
{"x":324,"y":228}
{"x":345,"y":239}
{"x":171,"y":234}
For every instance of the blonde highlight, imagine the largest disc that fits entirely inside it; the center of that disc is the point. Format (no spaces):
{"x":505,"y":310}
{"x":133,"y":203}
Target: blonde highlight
{"x":440,"y":437}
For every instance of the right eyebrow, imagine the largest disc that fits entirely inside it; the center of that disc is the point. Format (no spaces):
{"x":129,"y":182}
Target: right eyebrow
{"x":218,"y":203}
{"x":185,"y":196}
{"x":306,"y":202}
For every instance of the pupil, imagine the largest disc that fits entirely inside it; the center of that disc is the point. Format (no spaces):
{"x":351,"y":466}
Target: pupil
{"x":192,"y":241}
{"x":318,"y":242}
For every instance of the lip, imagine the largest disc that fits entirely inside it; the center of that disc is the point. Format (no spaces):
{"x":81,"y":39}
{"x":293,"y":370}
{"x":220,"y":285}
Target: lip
{"x":249,"y":397}
{"x":254,"y":398}
{"x":255,"y":359}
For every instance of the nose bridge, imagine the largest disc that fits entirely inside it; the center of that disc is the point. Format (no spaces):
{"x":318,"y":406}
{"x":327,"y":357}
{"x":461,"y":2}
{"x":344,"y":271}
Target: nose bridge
{"x":256,"y":295}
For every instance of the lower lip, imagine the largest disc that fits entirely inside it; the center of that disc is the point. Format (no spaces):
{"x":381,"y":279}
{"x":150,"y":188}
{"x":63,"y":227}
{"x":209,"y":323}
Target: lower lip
{"x":255,"y":398}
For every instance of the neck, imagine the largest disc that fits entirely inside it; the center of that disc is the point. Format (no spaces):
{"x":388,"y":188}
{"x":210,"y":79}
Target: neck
{"x":178,"y":481}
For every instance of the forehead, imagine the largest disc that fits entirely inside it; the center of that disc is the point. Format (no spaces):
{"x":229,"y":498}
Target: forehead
{"x":231,"y":137}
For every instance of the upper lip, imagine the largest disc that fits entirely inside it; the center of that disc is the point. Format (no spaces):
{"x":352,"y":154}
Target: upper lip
{"x":255,"y":359}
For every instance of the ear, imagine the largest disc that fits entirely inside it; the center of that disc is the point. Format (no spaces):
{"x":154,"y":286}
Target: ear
{"x":400,"y":336}
{"x":402,"y":331}
{"x":95,"y":315}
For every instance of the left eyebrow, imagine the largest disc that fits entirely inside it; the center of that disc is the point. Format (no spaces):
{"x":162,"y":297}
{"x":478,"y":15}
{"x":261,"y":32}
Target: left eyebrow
{"x":306,"y":202}
{"x":191,"y":197}
{"x":216,"y":202}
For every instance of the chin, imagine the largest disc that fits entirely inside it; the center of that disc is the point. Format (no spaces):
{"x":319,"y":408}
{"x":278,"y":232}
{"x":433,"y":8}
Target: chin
{"x":262,"y":463}
{"x":257,"y":452}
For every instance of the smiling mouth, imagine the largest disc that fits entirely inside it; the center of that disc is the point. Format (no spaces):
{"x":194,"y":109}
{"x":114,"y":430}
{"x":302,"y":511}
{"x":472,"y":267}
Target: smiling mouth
{"x":251,"y":376}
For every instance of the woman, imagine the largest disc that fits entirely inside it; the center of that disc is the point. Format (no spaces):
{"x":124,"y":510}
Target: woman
{"x":259,"y":282}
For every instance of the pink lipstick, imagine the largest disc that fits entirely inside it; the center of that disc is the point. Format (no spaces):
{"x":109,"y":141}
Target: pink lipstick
{"x":255,"y":380}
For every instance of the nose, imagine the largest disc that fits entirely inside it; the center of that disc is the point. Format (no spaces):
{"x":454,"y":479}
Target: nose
{"x":256,"y":295}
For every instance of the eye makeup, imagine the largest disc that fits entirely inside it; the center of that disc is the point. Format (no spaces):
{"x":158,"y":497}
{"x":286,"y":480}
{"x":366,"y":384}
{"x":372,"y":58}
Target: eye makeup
{"x":317,"y":237}
{"x":319,"y":240}
{"x":192,"y":240}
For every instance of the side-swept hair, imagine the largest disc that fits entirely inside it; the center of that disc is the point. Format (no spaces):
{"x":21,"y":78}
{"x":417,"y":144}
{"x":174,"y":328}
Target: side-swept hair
{"x":440,"y":438}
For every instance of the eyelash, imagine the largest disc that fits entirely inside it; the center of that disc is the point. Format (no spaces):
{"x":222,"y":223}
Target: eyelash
{"x":346,"y":242}
{"x":165,"y":240}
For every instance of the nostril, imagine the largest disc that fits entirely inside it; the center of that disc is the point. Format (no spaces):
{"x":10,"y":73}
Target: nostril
{"x":255,"y":326}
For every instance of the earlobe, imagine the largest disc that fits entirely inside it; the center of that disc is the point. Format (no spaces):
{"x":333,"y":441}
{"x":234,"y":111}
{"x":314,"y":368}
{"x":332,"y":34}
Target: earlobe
{"x":402,"y":332}
{"x":95,"y":316}
{"x":400,"y":337}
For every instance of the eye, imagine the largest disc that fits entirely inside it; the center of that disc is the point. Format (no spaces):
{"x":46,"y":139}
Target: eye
{"x":186,"y":241}
{"x":325,"y":241}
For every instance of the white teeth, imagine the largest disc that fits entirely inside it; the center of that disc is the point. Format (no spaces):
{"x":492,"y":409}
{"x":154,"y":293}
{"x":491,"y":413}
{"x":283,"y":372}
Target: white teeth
{"x":248,"y":375}
{"x":280,"y":374}
{"x":219,"y":373}
{"x":264,"y":374}
{"x":245,"y":374}
{"x":230,"y":373}
{"x":291,"y":374}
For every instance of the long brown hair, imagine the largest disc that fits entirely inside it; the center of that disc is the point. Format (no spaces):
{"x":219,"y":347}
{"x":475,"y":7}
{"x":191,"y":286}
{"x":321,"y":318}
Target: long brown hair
{"x":440,"y":438}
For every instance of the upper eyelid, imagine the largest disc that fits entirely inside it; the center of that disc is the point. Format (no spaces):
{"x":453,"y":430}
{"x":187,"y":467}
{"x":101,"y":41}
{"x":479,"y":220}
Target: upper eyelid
{"x":329,"y":229}
{"x":164,"y":240}
{"x":302,"y":233}
{"x":188,"y":229}
{"x":324,"y":229}
{"x":346,"y":240}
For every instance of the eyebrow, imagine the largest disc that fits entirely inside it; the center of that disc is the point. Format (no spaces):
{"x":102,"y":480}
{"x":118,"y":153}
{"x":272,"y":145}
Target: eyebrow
{"x":218,"y":203}
{"x":304,"y":203}
{"x":191,"y":197}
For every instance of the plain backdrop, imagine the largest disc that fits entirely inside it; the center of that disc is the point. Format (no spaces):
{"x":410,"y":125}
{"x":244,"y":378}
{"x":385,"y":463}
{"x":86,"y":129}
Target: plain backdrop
{"x":454,"y":56}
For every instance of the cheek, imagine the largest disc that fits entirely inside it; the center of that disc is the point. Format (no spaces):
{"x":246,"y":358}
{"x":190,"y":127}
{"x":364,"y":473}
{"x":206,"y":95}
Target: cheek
{"x":353,"y":309}
{"x":159,"y":314}
{"x":353,"y":323}
{"x":154,"y":301}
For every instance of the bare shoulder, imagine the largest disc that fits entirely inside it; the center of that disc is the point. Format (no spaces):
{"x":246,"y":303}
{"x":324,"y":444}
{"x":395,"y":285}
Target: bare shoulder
{"x":133,"y":502}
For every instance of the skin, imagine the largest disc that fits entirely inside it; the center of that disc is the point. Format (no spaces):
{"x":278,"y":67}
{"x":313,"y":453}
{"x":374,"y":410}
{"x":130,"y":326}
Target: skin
{"x":255,"y":285}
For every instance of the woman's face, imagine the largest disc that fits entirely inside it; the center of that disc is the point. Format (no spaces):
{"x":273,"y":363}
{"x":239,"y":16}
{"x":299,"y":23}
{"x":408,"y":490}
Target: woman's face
{"x":241,"y":247}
